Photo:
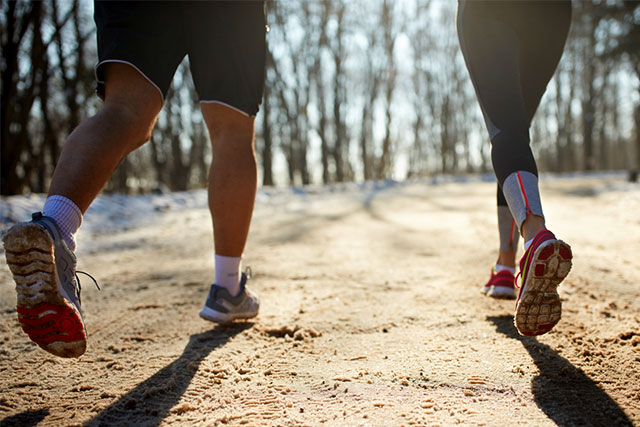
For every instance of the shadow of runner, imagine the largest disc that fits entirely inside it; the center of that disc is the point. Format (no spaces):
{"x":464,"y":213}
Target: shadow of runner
{"x":25,"y":419}
{"x":562,"y":391}
{"x":151,"y":400}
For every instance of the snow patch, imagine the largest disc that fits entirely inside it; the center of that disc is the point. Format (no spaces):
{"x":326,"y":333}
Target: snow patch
{"x":112,"y":213}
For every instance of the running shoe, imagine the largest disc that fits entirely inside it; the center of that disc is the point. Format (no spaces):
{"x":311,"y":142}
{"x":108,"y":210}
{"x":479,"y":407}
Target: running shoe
{"x":44,"y":270}
{"x":542,"y":267}
{"x":222,"y":307}
{"x":500,"y":285}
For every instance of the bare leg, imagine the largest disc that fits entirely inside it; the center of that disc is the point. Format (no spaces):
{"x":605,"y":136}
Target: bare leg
{"x":96,"y":147}
{"x":232,"y":177}
{"x":508,"y":258}
{"x":48,"y":294}
{"x":531,"y":226}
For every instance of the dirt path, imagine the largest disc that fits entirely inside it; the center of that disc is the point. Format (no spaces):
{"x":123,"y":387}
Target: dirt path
{"x":371,"y":315}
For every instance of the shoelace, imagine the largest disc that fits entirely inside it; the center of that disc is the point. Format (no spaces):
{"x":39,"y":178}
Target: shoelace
{"x":515,"y":280}
{"x":90,"y":276}
{"x":80,"y":287}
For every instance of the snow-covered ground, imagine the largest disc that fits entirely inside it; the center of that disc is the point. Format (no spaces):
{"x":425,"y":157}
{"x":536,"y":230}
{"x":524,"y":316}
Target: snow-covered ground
{"x":116,"y":212}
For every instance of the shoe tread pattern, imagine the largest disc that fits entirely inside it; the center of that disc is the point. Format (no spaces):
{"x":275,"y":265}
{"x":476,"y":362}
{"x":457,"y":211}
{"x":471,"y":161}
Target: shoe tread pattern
{"x":539,"y":308}
{"x":44,"y":314}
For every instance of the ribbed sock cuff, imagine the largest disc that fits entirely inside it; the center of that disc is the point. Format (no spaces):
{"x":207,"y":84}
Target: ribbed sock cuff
{"x":228,"y":273}
{"x":66,"y":214}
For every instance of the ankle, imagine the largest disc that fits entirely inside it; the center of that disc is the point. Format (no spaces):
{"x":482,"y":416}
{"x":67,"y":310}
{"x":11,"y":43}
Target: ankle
{"x":227,"y":273}
{"x":507,"y":259}
{"x":66,"y":215}
{"x":500,"y":268}
{"x":531,"y":226}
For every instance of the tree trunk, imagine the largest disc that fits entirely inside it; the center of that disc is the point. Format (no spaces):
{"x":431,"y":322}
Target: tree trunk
{"x":364,"y":142}
{"x":17,"y":105}
{"x":267,"y":147}
{"x":383,"y":166}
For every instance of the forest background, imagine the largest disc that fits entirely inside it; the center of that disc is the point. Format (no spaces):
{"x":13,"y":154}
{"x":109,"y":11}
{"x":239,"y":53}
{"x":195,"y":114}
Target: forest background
{"x":355,"y":91}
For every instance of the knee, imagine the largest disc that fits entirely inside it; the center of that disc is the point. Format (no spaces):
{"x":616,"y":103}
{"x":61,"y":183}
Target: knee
{"x":236,"y":137}
{"x":511,"y":152}
{"x":232,"y":133}
{"x":228,"y":128}
{"x":140,"y":123}
{"x":511,"y":138}
{"x":135,"y":123}
{"x":131,"y":102}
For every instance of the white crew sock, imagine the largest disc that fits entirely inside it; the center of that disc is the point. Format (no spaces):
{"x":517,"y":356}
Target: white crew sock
{"x":527,"y":244}
{"x":228,"y":273}
{"x":500,"y":267}
{"x":67,"y":215}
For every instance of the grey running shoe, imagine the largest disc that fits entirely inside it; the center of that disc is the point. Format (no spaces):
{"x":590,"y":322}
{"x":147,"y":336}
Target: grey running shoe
{"x":222,"y":307}
{"x":44,"y":269}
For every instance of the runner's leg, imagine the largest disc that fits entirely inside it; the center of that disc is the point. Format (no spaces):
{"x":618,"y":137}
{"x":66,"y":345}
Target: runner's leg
{"x":96,"y":147}
{"x":229,"y":78}
{"x":508,"y":233}
{"x":491,"y":47}
{"x":40,"y":253}
{"x":543,"y":32}
{"x":495,"y":37}
{"x":232,"y":176}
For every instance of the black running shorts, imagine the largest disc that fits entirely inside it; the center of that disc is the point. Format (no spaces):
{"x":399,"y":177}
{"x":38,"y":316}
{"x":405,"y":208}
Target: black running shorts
{"x":225,"y":42}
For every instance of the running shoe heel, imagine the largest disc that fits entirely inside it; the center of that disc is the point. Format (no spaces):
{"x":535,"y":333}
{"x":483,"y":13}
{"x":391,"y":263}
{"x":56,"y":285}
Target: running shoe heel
{"x":221,"y":307}
{"x":44,"y":314}
{"x":500,"y":285}
{"x":539,"y":308}
{"x":501,"y":292}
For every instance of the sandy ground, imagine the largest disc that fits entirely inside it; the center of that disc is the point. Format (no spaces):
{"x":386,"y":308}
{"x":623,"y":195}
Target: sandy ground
{"x":371,"y":315}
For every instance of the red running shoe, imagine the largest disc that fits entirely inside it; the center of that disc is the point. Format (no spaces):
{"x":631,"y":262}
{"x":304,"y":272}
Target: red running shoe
{"x":543,"y":266}
{"x":500,"y":285}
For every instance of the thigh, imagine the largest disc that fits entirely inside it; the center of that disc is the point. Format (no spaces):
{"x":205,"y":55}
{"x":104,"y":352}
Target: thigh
{"x":544,"y":28}
{"x":147,"y":35}
{"x":227,"y":53}
{"x":490,"y":48}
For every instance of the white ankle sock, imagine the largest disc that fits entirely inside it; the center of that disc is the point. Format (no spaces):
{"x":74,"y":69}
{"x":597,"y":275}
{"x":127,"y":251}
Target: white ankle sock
{"x":67,"y":215}
{"x":228,"y":273}
{"x":527,"y":244}
{"x":500,"y":267}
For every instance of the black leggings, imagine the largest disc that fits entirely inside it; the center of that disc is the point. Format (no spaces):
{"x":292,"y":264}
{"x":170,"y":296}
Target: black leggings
{"x":512,"y":49}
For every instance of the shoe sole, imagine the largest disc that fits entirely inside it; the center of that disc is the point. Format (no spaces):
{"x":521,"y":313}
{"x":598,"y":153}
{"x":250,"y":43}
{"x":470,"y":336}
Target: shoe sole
{"x":215,"y":316}
{"x":501,"y":292}
{"x":539,"y":308}
{"x":49,"y":319}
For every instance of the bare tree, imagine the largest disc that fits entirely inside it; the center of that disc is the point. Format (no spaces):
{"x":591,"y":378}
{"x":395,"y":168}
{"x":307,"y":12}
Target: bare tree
{"x":372,"y":77}
{"x":266,"y":152}
{"x":20,"y":18}
{"x":336,"y":83}
{"x":30,"y":137}
{"x":339,"y":91}
{"x":390,"y":30}
{"x":626,"y":17}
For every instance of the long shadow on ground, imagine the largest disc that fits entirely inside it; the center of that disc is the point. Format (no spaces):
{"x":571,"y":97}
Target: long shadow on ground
{"x":151,"y":400}
{"x":562,"y":391}
{"x":25,"y":419}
